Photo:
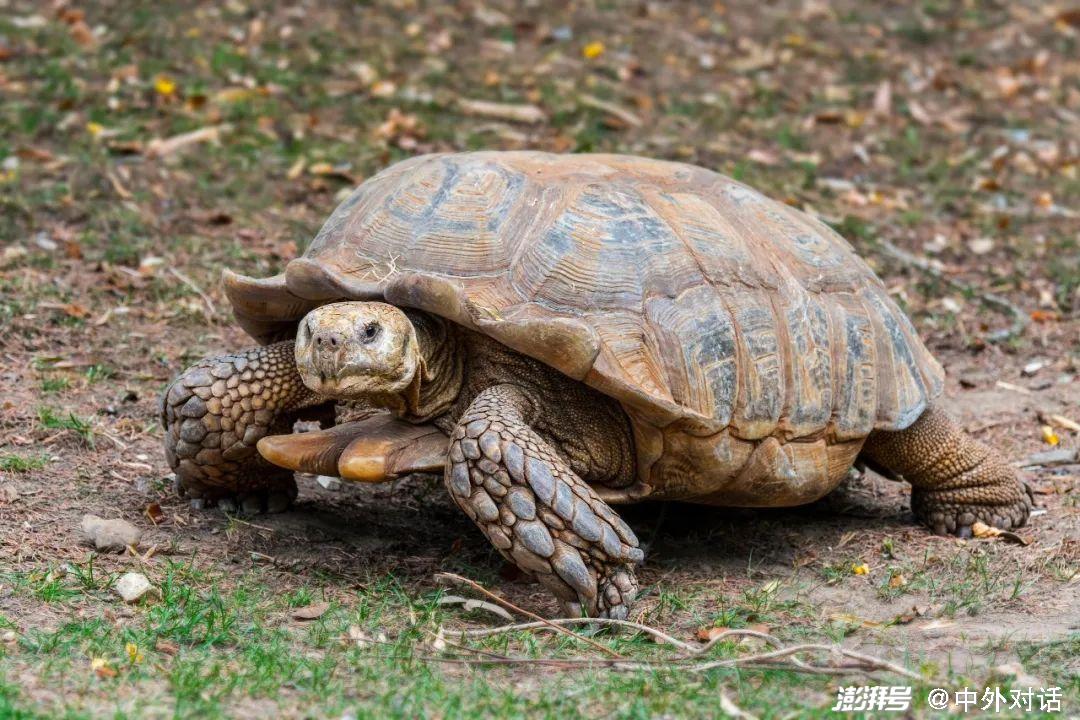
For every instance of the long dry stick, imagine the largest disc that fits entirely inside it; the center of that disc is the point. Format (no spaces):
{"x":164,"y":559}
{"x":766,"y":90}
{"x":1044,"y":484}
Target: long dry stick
{"x":658,"y":634}
{"x":690,"y":652}
{"x":765,"y":661}
{"x":511,"y":606}
{"x":198,"y":290}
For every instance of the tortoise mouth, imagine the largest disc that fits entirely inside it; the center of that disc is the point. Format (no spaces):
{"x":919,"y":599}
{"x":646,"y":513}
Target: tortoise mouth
{"x":334,"y":386}
{"x":332,"y":378}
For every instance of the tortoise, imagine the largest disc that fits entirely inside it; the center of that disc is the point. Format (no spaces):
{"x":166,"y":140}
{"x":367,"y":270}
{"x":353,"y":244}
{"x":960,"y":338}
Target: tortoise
{"x":558,"y":334}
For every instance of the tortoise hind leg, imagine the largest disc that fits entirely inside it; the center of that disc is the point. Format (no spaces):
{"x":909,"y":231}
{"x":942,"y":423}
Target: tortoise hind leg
{"x":216,"y":411}
{"x":955,"y":479}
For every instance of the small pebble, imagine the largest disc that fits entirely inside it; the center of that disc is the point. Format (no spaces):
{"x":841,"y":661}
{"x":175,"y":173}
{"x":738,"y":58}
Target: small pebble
{"x":1033,"y":367}
{"x":132,"y":586}
{"x":329,"y":482}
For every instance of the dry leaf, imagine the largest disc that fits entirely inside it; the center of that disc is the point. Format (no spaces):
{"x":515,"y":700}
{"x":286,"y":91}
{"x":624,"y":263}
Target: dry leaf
{"x":383,"y":89}
{"x":166,"y":648}
{"x":708,"y":634}
{"x":909,"y":615}
{"x":296,"y":169}
{"x":101,"y":668}
{"x":763,"y":157}
{"x":1064,"y":422}
{"x":310,"y":612}
{"x":918,"y":113}
{"x":984,"y":531}
{"x":155,"y":514}
{"x":339,"y":171}
{"x":851,"y":619}
{"x":356,"y":635}
{"x":883,"y":99}
{"x":160,"y":148}
{"x":730,"y":709}
{"x":621,"y":116}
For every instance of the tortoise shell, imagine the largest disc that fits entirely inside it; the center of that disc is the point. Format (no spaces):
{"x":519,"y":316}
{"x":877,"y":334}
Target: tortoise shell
{"x":716,"y":316}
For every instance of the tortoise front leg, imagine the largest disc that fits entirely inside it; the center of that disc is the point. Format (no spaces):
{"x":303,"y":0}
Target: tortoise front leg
{"x":538,"y":513}
{"x":216,"y":411}
{"x":955,"y":479}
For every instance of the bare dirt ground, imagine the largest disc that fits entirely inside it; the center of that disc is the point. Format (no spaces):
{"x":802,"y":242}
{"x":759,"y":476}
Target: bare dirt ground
{"x":950,"y":133}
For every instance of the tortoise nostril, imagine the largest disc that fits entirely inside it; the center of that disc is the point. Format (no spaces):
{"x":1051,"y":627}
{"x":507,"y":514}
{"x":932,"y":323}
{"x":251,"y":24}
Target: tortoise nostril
{"x":327,"y":340}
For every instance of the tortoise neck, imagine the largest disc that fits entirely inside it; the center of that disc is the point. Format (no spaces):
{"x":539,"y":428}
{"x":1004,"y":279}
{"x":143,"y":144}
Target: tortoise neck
{"x":443,"y":366}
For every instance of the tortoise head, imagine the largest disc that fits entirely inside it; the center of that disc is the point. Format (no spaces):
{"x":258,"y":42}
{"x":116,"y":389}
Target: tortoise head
{"x":361,"y":351}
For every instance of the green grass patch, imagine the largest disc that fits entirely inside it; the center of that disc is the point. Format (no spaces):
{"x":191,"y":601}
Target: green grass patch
{"x":52,"y":419}
{"x":12,"y":462}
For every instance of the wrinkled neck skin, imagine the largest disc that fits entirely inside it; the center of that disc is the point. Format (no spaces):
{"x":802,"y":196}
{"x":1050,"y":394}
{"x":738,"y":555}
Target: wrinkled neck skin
{"x":442,"y":369}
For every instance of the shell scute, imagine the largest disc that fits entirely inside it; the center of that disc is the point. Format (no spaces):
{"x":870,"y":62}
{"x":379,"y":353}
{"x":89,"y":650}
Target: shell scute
{"x":810,"y":392}
{"x":856,"y":368}
{"x":697,"y":346}
{"x":761,"y":386}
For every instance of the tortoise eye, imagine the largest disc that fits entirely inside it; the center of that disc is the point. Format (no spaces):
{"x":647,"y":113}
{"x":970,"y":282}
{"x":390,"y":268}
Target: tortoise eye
{"x":369,"y":332}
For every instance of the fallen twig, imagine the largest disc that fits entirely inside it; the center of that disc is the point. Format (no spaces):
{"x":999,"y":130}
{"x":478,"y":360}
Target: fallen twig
{"x":866,"y":660}
{"x":470,"y":604}
{"x":626,"y":117}
{"x":1051,"y":458}
{"x":198,"y":290}
{"x":511,"y":606}
{"x":992,"y":300}
{"x":689,"y":659}
{"x":528,"y":114}
{"x":163,"y":147}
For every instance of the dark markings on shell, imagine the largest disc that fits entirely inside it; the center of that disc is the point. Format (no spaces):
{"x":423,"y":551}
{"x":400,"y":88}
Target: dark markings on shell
{"x":762,"y":384}
{"x":856,"y":394}
{"x":697,"y":340}
{"x":810,"y":386}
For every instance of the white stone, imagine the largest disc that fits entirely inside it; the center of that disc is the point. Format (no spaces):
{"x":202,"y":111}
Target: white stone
{"x":329,"y":482}
{"x":132,"y":586}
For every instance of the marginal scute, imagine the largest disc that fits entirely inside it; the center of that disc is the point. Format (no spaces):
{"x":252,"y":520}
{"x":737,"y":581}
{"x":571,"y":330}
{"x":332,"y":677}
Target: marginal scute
{"x":761,"y":375}
{"x":264,"y":308}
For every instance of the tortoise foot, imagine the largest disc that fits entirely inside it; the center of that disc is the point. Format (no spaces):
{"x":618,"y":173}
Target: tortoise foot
{"x":946,"y":514}
{"x":275,"y":495}
{"x":956,"y":480}
{"x":215,"y":413}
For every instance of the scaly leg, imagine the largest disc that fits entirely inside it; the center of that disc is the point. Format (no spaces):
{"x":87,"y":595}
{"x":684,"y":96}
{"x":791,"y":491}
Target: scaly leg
{"x":217,"y":410}
{"x":955,"y":479}
{"x":536,"y":511}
